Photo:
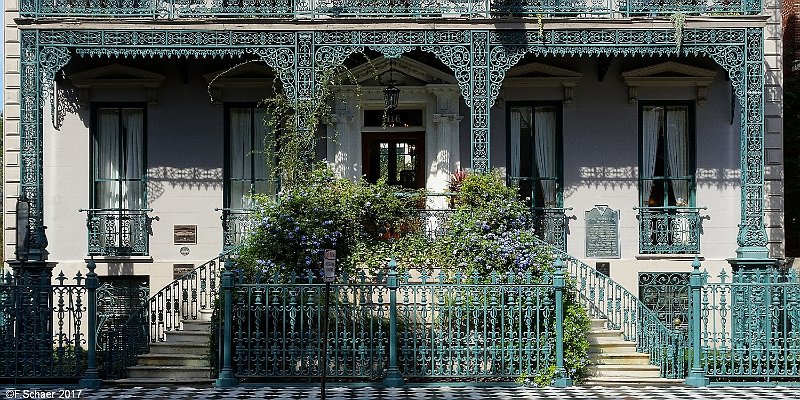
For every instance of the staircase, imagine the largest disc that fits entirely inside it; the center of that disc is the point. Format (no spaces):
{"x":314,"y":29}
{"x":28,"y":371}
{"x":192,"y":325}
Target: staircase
{"x":615,"y":361}
{"x":182,"y":358}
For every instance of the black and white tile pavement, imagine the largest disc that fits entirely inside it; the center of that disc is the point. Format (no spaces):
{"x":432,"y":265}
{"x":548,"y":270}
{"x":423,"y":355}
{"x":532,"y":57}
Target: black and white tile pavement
{"x":412,"y":393}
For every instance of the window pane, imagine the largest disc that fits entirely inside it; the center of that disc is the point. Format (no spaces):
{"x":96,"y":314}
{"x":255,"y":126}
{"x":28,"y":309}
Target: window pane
{"x":533,"y":162}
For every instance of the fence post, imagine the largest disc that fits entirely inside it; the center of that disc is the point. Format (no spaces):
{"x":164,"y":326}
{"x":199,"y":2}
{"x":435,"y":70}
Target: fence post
{"x":91,"y":378}
{"x":393,"y":376}
{"x":696,"y":375}
{"x":562,"y":379}
{"x":226,"y":377}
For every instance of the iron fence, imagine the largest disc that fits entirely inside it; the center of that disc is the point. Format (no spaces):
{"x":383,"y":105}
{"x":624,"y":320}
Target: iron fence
{"x":41,"y":332}
{"x":750,"y":325}
{"x":447,"y":326}
{"x":326,"y":9}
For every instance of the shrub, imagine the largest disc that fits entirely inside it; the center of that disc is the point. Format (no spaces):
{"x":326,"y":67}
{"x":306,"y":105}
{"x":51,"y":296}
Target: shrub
{"x":321,"y":212}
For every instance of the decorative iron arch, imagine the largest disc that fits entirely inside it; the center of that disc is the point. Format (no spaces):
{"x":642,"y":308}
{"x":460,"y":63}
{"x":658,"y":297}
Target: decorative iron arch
{"x":479,"y":59}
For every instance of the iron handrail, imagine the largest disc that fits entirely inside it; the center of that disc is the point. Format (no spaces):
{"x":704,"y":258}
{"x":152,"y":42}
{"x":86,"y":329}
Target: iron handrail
{"x":157,"y":316}
{"x":605,"y":298}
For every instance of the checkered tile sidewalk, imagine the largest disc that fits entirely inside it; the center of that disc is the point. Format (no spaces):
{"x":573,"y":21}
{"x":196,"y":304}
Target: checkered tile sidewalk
{"x":442,"y":393}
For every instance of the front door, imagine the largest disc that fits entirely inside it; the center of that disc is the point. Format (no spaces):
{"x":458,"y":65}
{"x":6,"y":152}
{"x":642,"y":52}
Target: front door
{"x":394,"y":157}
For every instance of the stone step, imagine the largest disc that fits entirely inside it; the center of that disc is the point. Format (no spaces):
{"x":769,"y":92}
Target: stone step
{"x":196,"y":326}
{"x":620,"y":346}
{"x":205,"y":314}
{"x":179,"y":360}
{"x":604,"y":335}
{"x":632,"y":358}
{"x":179,"y":348}
{"x":160,"y":382}
{"x":625,"y":371}
{"x":597,"y":324}
{"x":171,"y":372}
{"x":187,"y":337}
{"x":632,"y":381}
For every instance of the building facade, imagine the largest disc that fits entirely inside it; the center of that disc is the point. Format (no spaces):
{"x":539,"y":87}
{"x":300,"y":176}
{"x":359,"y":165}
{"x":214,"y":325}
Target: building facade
{"x":642,"y":133}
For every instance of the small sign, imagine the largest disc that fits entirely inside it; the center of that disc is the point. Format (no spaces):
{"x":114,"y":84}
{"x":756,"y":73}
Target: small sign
{"x":179,"y":270}
{"x":602,"y":232}
{"x":329,"y":266}
{"x":603,"y":267}
{"x":184,"y":251}
{"x":184,"y":234}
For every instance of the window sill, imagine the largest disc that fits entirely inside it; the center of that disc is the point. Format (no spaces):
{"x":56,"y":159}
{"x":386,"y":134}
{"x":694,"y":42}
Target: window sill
{"x":677,"y":257}
{"x":117,"y":259}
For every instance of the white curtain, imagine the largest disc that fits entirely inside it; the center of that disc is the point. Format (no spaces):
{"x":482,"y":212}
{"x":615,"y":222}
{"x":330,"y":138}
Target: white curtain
{"x":106,"y":187}
{"x":241,"y":157}
{"x":133,"y":153}
{"x":516,"y":125}
{"x":677,"y":153}
{"x":677,"y":161}
{"x":252,"y":154}
{"x":651,"y":121}
{"x":545,"y":147}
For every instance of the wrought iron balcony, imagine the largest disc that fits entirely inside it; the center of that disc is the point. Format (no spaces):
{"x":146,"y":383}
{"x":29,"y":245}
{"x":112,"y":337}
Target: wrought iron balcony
{"x":118,"y":232}
{"x":669,"y":230}
{"x":236,"y":223}
{"x":388,"y":9}
{"x":550,"y":225}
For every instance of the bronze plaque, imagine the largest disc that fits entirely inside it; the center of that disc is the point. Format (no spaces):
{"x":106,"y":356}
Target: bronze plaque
{"x":179,"y":270}
{"x":185,"y":234}
{"x":602,"y":232}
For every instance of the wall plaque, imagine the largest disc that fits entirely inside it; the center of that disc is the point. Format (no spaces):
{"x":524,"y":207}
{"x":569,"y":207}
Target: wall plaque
{"x":602,"y":232}
{"x":185,"y":234}
{"x":179,"y":270}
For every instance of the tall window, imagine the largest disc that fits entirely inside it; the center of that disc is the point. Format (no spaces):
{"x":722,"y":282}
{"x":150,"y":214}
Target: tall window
{"x":534,"y":153}
{"x":667,"y":155}
{"x":250,"y":156}
{"x":118,"y":145}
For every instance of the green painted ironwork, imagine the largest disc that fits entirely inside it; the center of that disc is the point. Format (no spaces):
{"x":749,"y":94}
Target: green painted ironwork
{"x":669,"y":230}
{"x":118,"y":232}
{"x":42,"y":336}
{"x":667,"y":295}
{"x":114,"y":305}
{"x":341,"y":9}
{"x":606,"y":299}
{"x":749,"y":325}
{"x":184,"y":298}
{"x":91,"y":378}
{"x":236,"y":224}
{"x":447,"y":326}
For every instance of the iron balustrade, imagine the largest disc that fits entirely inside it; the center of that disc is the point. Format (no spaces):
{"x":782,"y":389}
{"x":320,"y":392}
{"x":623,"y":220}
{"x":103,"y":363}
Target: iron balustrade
{"x":750,"y":325}
{"x":669,"y":230}
{"x":606,"y":299}
{"x":185,"y":298}
{"x":41,"y":334}
{"x":118,"y":232}
{"x":236,"y":224}
{"x":389,"y":9}
{"x":551,"y":225}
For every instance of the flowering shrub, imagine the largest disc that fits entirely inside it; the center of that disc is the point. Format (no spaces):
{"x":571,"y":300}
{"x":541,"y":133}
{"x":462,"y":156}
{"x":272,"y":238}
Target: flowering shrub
{"x":322,"y":212}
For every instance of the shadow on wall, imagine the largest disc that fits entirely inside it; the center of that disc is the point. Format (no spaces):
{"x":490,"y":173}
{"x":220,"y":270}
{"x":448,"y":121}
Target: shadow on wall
{"x":628,"y":178}
{"x":184,"y":178}
{"x":67,"y":103}
{"x":120,"y":268}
